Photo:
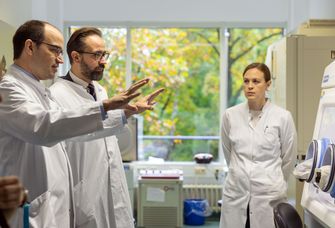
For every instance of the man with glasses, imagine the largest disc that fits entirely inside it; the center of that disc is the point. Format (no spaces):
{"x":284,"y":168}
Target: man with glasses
{"x":33,"y":126}
{"x":101,"y":193}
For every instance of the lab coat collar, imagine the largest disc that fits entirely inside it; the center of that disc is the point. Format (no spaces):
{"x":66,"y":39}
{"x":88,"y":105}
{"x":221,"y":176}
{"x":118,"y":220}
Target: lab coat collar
{"x":29,"y":78}
{"x":77,"y":80}
{"x":264,"y":110}
{"x":26,"y":72}
{"x":71,"y":80}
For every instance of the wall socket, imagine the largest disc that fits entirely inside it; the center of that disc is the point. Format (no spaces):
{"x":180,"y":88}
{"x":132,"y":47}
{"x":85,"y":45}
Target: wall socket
{"x":199,"y":170}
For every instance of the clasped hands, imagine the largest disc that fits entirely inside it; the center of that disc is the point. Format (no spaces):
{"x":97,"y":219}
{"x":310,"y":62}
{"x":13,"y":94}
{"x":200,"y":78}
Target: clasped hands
{"x":121,"y":101}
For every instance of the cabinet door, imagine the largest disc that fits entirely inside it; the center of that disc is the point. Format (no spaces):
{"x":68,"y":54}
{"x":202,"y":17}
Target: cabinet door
{"x":314,"y":54}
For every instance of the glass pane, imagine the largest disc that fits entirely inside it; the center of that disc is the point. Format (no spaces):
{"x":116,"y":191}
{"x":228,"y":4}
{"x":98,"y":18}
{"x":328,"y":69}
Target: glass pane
{"x":114,"y":79}
{"x":186,"y":63}
{"x":182,"y":150}
{"x":246,"y":46}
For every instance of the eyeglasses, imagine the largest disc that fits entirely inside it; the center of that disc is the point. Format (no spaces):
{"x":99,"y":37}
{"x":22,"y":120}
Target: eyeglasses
{"x":54,"y":48}
{"x":99,"y":55}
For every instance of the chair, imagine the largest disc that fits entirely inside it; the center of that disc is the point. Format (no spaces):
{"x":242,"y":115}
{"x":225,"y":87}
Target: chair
{"x":285,"y":216}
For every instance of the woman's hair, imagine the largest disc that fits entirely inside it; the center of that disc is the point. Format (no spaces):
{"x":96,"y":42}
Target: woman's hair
{"x":259,"y":66}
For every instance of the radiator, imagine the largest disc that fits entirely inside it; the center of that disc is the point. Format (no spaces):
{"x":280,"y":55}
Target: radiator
{"x":213,"y":193}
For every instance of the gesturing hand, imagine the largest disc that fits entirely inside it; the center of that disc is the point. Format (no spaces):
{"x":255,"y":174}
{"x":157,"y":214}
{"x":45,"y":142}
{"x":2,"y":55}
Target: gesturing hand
{"x":143,"y":104}
{"x":121,"y":100}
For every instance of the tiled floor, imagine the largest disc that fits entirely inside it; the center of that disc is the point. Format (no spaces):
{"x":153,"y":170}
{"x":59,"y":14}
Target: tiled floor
{"x":209,"y":224}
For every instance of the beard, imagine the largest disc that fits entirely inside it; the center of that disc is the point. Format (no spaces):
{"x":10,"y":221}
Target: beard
{"x":93,"y":75}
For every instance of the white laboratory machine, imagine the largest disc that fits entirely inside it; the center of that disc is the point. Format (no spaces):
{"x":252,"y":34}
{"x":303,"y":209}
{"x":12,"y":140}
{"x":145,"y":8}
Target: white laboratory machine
{"x":297,"y":63}
{"x":160,"y":202}
{"x":319,"y":203}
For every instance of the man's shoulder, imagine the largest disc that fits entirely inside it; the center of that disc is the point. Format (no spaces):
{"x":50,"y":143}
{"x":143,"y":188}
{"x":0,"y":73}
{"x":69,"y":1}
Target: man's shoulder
{"x":11,"y":80}
{"x":59,"y":82}
{"x":97,"y":85}
{"x":99,"y":88}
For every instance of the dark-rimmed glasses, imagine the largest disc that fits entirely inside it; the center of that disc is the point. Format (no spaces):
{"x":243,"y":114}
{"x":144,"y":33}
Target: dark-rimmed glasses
{"x":58,"y":51}
{"x":98,"y":55}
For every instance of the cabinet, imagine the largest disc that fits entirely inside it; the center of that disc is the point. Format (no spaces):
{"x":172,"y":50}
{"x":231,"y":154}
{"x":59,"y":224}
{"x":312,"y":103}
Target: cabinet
{"x":297,"y":64}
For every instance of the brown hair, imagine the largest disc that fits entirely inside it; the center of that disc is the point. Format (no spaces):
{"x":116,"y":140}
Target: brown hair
{"x":76,"y":41}
{"x":260,"y":66}
{"x":34,"y":30}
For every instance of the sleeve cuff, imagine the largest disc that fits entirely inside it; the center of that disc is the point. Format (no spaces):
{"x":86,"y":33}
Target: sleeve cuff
{"x":103,"y":112}
{"x":124,"y":118}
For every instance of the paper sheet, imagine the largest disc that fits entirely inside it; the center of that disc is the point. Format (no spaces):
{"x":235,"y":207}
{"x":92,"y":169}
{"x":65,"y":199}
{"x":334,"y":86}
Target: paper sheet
{"x":155,"y":194}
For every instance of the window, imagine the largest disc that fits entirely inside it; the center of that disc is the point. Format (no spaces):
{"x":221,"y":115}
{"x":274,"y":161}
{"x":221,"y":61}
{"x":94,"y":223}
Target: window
{"x":186,"y":62}
{"x":246,"y":45}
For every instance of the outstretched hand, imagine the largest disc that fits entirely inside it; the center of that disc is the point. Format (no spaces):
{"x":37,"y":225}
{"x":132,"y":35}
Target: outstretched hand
{"x":121,"y":100}
{"x":144,"y":103}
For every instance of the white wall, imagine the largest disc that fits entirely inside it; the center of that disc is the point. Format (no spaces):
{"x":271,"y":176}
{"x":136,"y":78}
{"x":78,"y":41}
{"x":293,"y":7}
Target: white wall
{"x":15,"y":12}
{"x":58,"y":12}
{"x":322,"y":9}
{"x":298,"y":13}
{"x":178,"y":10}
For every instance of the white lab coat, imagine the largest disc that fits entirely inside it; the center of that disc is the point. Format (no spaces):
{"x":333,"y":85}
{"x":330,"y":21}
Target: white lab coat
{"x":260,"y":160}
{"x":101,"y":192}
{"x":32,"y":125}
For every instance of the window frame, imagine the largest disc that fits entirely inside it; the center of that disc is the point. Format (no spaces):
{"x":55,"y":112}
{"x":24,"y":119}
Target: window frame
{"x":224,"y":53}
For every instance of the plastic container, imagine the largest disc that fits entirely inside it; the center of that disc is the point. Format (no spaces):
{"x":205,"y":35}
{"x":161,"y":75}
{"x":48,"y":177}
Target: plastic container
{"x":195,"y":211}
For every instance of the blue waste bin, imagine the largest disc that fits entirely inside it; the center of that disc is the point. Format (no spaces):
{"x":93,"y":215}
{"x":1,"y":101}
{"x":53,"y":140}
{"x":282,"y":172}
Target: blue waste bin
{"x":195,"y":211}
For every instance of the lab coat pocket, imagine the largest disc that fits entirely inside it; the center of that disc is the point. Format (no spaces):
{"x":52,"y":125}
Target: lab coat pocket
{"x":276,"y":184}
{"x":271,"y":137}
{"x":84,"y":205}
{"x":41,"y":212}
{"x":235,"y":184}
{"x":269,"y":144}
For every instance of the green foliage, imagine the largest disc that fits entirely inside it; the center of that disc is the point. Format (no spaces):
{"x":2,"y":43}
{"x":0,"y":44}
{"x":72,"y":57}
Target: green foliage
{"x":187,"y":149}
{"x":114,"y":77}
{"x":186,"y":62}
{"x":246,"y":46}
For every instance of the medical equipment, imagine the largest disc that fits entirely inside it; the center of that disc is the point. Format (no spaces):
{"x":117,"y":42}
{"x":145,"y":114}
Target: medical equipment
{"x":160,"y":201}
{"x":326,"y":172}
{"x":318,"y":194}
{"x":315,"y":153}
